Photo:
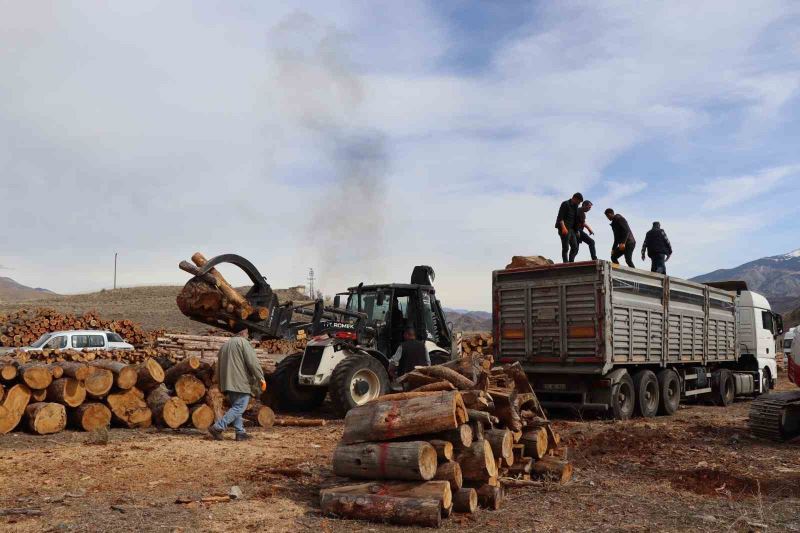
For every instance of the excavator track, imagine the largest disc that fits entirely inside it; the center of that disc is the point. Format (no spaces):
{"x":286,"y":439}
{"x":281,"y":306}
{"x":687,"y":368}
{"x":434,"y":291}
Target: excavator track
{"x":776,"y":416}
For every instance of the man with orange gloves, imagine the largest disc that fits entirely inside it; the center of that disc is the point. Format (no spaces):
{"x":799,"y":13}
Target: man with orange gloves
{"x":566,"y":225}
{"x":239,"y":376}
{"x":624,"y":243}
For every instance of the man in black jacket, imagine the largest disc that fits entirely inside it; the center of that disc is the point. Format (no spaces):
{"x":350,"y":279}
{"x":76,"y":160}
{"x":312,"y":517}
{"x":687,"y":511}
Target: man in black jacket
{"x":624,"y":243}
{"x":658,"y":248}
{"x":582,"y":228}
{"x":566,"y":226}
{"x":410,"y":354}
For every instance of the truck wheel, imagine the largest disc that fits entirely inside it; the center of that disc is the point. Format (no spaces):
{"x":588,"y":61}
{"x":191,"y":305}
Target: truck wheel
{"x":724,"y":388}
{"x":670,"y":387}
{"x":358,"y":379}
{"x":646,"y":386}
{"x":622,"y":396}
{"x":289,"y":394}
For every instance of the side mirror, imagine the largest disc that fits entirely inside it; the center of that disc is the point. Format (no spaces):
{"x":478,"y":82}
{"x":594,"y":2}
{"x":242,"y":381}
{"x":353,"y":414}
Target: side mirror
{"x":381,"y":298}
{"x":778,"y":319}
{"x":337,"y":300}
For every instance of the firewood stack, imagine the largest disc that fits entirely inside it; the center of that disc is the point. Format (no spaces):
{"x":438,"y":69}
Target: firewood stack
{"x":461,"y":434}
{"x":479,"y":344}
{"x":23,"y":327}
{"x":209,"y":345}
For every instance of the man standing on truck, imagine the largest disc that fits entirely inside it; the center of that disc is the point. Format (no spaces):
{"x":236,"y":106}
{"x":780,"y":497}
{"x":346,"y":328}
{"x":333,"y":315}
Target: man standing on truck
{"x":239,"y":376}
{"x":410,"y":354}
{"x":565,"y":224}
{"x":582,"y":227}
{"x":624,"y":242}
{"x":658,"y":248}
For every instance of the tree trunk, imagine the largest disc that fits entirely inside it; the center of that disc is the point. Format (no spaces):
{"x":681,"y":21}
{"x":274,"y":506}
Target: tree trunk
{"x":16,"y":400}
{"x":215,"y":399}
{"x":465,"y":500}
{"x":75,"y":370}
{"x":189,"y":389}
{"x":552,"y":469}
{"x":535,"y":442}
{"x":46,"y":418}
{"x":403,"y":418}
{"x":56,"y":371}
{"x":478,"y":430}
{"x":490,"y":497}
{"x":505,"y":408}
{"x":130,"y":409}
{"x":8,"y":370}
{"x":385,"y":460}
{"x":239,"y":301}
{"x":90,"y":416}
{"x":260,"y":414}
{"x":477,"y":462}
{"x":189,"y":365}
{"x":450,"y":472}
{"x":521,"y":467}
{"x":2,"y":392}
{"x":377,"y":508}
{"x":502,"y":443}
{"x":444,"y":449}
{"x":461,"y":437}
{"x":168,"y":410}
{"x":202,"y":416}
{"x":443,"y":373}
{"x":413,"y":380}
{"x":125,"y":376}
{"x":67,"y":391}
{"x":438,"y":386}
{"x":300,"y":422}
{"x":150,"y":375}
{"x":36,"y":375}
{"x":38,"y":395}
{"x":99,"y":383}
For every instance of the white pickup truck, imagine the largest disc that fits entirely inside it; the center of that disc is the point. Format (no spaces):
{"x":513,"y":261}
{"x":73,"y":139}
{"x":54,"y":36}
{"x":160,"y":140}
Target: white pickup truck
{"x":80,"y":340}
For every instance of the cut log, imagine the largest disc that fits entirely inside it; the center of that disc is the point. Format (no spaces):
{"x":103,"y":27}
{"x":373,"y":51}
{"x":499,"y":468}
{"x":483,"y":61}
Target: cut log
{"x":461,"y":437}
{"x":99,"y":383}
{"x":465,"y":500}
{"x":189,"y":389}
{"x":443,"y":373}
{"x":239,"y":301}
{"x":552,"y":469}
{"x":378,"y":508}
{"x":450,"y":472}
{"x":386,"y":460}
{"x":8,"y":370}
{"x":38,"y":395}
{"x":215,"y":399}
{"x":490,"y":497}
{"x":130,"y":409}
{"x":447,"y":511}
{"x":429,"y":490}
{"x":36,"y":375}
{"x":397,"y":396}
{"x":14,"y":404}
{"x":403,"y":418}
{"x":505,"y":408}
{"x":477,"y":400}
{"x":502,"y":443}
{"x":477,"y":462}
{"x":167,"y":410}
{"x":260,"y":414}
{"x":478,"y":431}
{"x":485,"y":418}
{"x":414,"y":380}
{"x":2,"y":392}
{"x":202,"y":416}
{"x":125,"y":376}
{"x":438,"y":386}
{"x":444,"y":449}
{"x":75,"y":370}
{"x":56,"y":371}
{"x":67,"y":391}
{"x":535,"y":442}
{"x":150,"y":375}
{"x":46,"y":418}
{"x":90,"y":416}
{"x":189,"y":365}
{"x":300,"y":422}
{"x":511,"y":482}
{"x":521,"y":467}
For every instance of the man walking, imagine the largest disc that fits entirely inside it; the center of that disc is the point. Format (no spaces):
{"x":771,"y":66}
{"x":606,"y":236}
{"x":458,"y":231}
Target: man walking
{"x":239,"y":376}
{"x":410,"y":354}
{"x":565,"y":224}
{"x":658,"y":248}
{"x":624,"y":243}
{"x":582,"y":227}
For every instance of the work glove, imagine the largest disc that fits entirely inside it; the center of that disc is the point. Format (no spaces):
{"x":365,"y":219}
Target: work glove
{"x":564,"y":232}
{"x":263,"y":386}
{"x":621,"y":247}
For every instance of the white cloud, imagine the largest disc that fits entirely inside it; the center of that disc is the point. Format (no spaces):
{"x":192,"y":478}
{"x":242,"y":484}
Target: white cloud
{"x":726,"y":192}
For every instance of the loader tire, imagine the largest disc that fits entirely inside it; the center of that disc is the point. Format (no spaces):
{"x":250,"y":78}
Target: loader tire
{"x":358,"y":379}
{"x":290,"y":396}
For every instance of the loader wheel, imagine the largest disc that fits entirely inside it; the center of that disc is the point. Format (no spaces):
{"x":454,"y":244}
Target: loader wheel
{"x":647,"y":393}
{"x":358,"y":379}
{"x":670,"y":387}
{"x":724,"y":390}
{"x":289,"y":394}
{"x":622,"y":396}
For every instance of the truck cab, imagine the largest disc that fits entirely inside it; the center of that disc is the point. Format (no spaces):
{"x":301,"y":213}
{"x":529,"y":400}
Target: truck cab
{"x":758,"y":328}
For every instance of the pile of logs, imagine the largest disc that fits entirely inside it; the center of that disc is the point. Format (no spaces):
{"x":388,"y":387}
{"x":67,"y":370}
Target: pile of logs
{"x":23,"y":327}
{"x":461,"y":434}
{"x":479,"y":344}
{"x":182,"y":345}
{"x":46,"y":397}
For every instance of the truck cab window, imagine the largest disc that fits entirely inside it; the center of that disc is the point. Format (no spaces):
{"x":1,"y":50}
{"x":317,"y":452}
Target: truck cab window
{"x":766,"y":321}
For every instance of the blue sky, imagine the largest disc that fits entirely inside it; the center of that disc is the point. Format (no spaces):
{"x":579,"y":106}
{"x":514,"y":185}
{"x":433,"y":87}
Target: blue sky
{"x":363,"y":138}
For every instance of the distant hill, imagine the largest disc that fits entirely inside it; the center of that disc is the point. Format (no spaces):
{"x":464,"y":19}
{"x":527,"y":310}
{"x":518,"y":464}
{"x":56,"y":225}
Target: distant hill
{"x":469,"y":321}
{"x":11,"y":291}
{"x":776,"y":277}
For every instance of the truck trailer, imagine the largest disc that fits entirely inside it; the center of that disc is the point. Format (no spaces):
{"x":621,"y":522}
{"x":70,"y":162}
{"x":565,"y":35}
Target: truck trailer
{"x":598,"y":336}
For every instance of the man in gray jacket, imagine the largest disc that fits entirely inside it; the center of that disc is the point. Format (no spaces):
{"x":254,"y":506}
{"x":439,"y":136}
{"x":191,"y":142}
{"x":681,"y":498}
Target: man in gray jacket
{"x":239,"y":376}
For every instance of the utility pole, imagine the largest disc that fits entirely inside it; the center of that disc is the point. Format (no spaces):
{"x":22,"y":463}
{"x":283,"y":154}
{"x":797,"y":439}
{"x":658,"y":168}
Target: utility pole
{"x":311,"y":283}
{"x":115,"y":270}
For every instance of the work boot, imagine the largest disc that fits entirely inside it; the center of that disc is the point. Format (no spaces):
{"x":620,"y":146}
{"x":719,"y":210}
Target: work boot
{"x":215,"y":433}
{"x":243,"y":436}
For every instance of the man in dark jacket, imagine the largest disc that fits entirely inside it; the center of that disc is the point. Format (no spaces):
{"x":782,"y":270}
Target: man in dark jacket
{"x":565,"y":224}
{"x":410,"y":354}
{"x":658,"y":248}
{"x":624,"y":243}
{"x":582,"y":228}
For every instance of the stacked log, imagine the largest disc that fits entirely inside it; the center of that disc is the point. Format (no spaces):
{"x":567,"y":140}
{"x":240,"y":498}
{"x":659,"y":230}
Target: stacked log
{"x":207,"y":346}
{"x":486,"y":434}
{"x":23,"y":327}
{"x":479,"y":344}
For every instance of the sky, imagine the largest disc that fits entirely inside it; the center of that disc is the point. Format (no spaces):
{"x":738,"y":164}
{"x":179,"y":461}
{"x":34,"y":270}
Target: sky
{"x":363,"y":138}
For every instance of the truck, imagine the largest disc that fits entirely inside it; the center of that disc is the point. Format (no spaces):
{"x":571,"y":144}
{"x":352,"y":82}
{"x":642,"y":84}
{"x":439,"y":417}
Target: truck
{"x":598,"y":336}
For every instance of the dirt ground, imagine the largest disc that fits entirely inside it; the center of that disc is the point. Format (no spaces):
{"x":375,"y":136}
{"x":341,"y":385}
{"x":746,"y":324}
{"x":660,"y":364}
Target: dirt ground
{"x":698,"y":470}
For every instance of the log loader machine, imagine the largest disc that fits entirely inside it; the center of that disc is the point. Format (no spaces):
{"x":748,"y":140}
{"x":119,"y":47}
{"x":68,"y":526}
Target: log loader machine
{"x":351,"y":342}
{"x":776,"y":416}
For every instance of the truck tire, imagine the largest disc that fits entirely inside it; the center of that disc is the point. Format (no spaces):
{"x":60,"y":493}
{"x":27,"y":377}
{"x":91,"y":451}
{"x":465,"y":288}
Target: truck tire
{"x":289,"y":394}
{"x":622,"y":398}
{"x":647,"y":393}
{"x":669,"y":386}
{"x":724,"y":388}
{"x":358,"y":379}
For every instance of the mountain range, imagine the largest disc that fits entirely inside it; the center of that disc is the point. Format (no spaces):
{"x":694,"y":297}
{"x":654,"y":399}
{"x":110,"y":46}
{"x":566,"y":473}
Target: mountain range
{"x":11,"y":291}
